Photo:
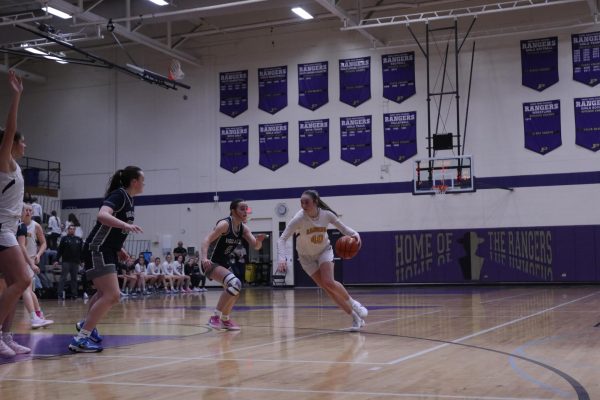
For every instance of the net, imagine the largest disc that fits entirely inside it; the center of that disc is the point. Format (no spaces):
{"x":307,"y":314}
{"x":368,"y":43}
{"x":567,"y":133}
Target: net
{"x":175,"y":71}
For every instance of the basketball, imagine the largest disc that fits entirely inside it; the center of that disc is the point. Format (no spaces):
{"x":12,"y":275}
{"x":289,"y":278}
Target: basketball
{"x":346,"y":247}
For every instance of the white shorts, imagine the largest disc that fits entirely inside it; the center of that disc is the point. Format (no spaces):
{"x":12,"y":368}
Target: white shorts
{"x":311,"y":264}
{"x":8,"y":238}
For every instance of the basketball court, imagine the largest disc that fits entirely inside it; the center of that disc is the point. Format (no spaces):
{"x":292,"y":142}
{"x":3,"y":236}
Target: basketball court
{"x":419,"y":343}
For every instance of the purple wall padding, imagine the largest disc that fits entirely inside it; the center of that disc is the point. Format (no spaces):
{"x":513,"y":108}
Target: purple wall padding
{"x":531,"y":254}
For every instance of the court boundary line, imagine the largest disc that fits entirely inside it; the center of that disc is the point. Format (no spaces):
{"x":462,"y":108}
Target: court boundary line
{"x":484,"y":331}
{"x":274,"y":390}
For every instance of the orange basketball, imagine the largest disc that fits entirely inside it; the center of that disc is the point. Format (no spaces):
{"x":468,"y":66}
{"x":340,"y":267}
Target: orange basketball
{"x":346,"y":247}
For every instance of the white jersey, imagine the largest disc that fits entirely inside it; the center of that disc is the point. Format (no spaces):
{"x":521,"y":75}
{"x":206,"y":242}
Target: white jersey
{"x":312,"y":239}
{"x":177,"y":268}
{"x":140,"y":269}
{"x":167,"y":268}
{"x":31,"y":240}
{"x":12,"y":189}
{"x":153,"y":269}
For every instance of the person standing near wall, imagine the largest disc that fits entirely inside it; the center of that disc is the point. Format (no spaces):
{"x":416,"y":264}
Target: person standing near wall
{"x":37,"y":211}
{"x":54,"y":231}
{"x":102,"y":250}
{"x":316,"y":254}
{"x":69,"y":250}
{"x":13,"y":266}
{"x":226,"y":236}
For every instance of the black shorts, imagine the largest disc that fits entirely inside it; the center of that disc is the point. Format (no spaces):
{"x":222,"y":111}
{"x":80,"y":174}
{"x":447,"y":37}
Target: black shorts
{"x":100,"y":263}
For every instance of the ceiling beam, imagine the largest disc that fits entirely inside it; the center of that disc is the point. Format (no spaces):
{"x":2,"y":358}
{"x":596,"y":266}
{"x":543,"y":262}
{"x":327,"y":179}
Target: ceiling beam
{"x":330,"y":5}
{"x":472,"y":11}
{"x":124,"y":32}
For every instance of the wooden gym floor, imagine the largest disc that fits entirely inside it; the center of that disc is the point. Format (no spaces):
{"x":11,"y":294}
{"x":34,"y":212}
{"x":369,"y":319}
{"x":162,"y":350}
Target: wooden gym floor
{"x":419,"y":343}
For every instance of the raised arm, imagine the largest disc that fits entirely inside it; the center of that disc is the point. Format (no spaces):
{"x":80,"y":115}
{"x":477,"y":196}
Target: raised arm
{"x":15,"y":86}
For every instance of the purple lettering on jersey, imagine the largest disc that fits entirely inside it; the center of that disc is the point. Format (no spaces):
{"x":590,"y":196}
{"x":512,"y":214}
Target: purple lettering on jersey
{"x":314,"y":142}
{"x":539,"y":63}
{"x":272,"y":89}
{"x":313,"y":85}
{"x":586,"y":57}
{"x":542,"y":126}
{"x":233,"y":89}
{"x":400,"y":135}
{"x":355,"y":80}
{"x":273,"y":145}
{"x":398,"y":76}
{"x":355,"y":138}
{"x":234,"y":148}
{"x":587,"y":122}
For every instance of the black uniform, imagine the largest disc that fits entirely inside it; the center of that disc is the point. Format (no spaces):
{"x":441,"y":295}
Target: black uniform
{"x":224,"y":246}
{"x":103,"y":242}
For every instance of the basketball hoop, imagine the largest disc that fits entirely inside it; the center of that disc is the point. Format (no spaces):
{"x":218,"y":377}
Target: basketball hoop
{"x":440,"y":189}
{"x":175,"y":71}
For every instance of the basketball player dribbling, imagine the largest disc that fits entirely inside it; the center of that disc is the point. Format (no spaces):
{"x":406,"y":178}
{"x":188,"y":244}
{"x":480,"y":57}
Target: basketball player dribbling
{"x":315,"y":252}
{"x":227,"y":235}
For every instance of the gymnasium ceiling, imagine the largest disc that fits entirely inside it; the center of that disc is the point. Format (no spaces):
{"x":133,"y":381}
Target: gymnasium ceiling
{"x":184,"y":28}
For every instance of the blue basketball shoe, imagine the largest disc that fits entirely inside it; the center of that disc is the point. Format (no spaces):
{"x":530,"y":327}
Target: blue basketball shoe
{"x":84,"y":345}
{"x":94,"y":335}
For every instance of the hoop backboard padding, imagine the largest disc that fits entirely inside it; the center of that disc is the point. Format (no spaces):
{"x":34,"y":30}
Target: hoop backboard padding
{"x":442,"y":141}
{"x":441,"y":175}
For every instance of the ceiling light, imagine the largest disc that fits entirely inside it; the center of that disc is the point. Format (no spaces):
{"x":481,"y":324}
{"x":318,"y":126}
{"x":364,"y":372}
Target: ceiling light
{"x":160,"y":2}
{"x":301,"y":12}
{"x":56,"y":12}
{"x":34,"y":50}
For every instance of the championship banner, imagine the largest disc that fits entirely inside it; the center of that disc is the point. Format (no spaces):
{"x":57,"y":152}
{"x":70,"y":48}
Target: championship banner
{"x":234,"y":148}
{"x":398,"y":76}
{"x":234,"y":92}
{"x":355,"y":135}
{"x":587,"y":122}
{"x":400,"y":135}
{"x":355,"y":80}
{"x":314,"y":142}
{"x":273,"y":145}
{"x":272,"y":89}
{"x":539,"y":62}
{"x":542,"y":126}
{"x":586,"y":58}
{"x":313,"y":85}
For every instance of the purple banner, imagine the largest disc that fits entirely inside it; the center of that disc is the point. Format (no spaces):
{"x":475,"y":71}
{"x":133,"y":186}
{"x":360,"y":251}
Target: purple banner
{"x":587,"y":122}
{"x":273,"y":145}
{"x":542,"y":126}
{"x":355,"y":135}
{"x":272,"y":89}
{"x":400,"y":135}
{"x":586,"y":58}
{"x":355,"y":80}
{"x":539,"y":62}
{"x":314,"y":142}
{"x":313,"y":85}
{"x":234,"y":92}
{"x":536,"y":254}
{"x":398,"y":76}
{"x":234,"y":148}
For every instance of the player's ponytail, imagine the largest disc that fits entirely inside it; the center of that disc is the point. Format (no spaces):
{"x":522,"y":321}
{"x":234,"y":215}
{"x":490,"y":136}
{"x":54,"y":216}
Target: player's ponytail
{"x":122,"y":178}
{"x":317,"y":199}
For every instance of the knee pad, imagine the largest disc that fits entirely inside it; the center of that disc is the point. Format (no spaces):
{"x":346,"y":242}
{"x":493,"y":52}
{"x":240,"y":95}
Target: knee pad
{"x":232,"y":285}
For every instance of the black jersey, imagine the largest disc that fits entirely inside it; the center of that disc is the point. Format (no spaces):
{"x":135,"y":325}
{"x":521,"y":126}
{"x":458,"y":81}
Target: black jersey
{"x":224,"y":245}
{"x":103,"y":236}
